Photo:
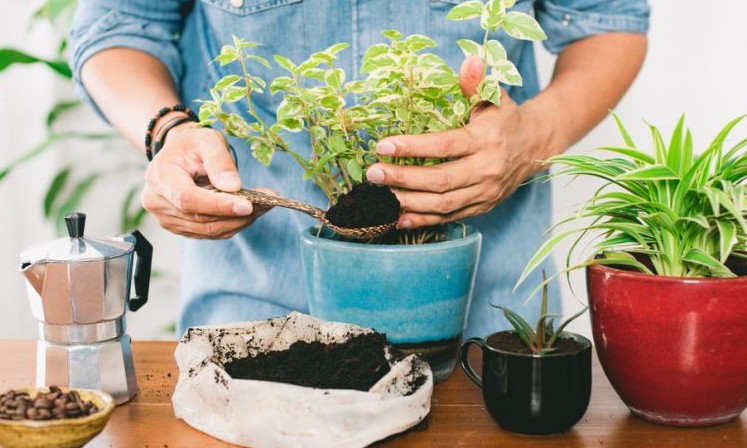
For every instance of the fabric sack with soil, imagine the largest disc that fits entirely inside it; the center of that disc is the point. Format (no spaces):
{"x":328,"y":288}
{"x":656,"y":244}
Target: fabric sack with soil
{"x":264,"y":414}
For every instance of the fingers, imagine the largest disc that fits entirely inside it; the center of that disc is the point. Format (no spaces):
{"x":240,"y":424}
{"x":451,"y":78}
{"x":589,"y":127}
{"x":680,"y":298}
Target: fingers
{"x":440,"y":145}
{"x":221,"y":170}
{"x":198,"y":225}
{"x":172,"y":196}
{"x":445,"y":203}
{"x":415,"y":220}
{"x":470,"y":75}
{"x":439,"y":178}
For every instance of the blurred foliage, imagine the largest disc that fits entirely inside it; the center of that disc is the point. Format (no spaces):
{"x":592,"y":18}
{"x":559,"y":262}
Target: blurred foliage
{"x":71,"y":184}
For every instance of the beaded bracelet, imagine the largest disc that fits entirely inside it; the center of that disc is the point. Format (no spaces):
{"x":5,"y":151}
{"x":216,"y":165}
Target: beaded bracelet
{"x":160,"y":114}
{"x":161,"y":140}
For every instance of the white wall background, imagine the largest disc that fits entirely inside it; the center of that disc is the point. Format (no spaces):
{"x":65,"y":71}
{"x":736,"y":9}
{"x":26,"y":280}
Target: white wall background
{"x":696,"y":65}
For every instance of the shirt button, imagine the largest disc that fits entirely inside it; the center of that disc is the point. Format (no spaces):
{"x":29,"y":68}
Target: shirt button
{"x":566,"y":19}
{"x":237,"y":3}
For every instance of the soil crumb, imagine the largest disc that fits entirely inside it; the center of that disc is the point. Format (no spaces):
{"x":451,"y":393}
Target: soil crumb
{"x":366,"y":205}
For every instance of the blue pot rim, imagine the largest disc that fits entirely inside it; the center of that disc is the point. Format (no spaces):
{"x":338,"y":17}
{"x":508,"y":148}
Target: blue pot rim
{"x":473,"y":236}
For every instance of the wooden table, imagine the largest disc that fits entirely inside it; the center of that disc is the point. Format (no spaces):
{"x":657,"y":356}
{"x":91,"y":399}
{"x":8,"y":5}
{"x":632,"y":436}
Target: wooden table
{"x":458,"y":416}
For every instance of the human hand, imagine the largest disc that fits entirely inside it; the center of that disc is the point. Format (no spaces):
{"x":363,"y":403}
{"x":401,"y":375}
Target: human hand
{"x":485,"y":161}
{"x":172,"y":195}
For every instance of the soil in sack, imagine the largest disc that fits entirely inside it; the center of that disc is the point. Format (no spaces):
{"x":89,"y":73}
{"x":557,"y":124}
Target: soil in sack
{"x":355,"y":364}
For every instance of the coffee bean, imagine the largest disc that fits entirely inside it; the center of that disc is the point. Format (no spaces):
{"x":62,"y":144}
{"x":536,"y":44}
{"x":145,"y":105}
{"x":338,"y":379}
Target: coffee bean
{"x":42,"y":403}
{"x":55,"y":404}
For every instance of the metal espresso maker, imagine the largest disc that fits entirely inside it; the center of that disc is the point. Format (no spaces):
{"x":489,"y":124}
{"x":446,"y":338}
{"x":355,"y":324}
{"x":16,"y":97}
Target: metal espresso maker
{"x":79,"y":290}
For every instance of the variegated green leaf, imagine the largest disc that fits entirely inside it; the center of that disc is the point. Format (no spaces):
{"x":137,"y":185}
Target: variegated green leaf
{"x":466,"y":10}
{"x":285,"y":63}
{"x":355,"y":170}
{"x":471,"y":48}
{"x":507,"y":73}
{"x":417,"y":42}
{"x":523,"y":26}
{"x":698,"y":256}
{"x":495,"y":53}
{"x":334,"y":77}
{"x":654,"y":172}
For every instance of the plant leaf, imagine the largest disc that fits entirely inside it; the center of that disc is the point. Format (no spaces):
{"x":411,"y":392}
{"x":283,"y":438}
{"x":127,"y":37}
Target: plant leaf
{"x":285,"y":63}
{"x":58,"y":109}
{"x":727,"y":238}
{"x":10,"y":56}
{"x":466,"y":10}
{"x":623,"y":132}
{"x":471,"y":48}
{"x":73,"y":201}
{"x":632,"y":153}
{"x":654,"y":172}
{"x":53,"y":192}
{"x":698,"y":256}
{"x":523,"y":26}
{"x":355,"y":170}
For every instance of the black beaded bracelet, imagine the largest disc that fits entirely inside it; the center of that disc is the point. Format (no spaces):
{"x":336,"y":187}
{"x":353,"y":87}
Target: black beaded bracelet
{"x":164,"y":132}
{"x":160,"y":114}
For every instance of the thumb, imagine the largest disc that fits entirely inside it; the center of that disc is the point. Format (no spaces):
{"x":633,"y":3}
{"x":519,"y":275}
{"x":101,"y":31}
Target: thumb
{"x":470,"y":75}
{"x":221,"y":169}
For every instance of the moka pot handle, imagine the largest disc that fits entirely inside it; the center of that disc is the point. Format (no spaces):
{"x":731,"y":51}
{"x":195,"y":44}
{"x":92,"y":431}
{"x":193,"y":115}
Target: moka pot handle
{"x":143,"y":261}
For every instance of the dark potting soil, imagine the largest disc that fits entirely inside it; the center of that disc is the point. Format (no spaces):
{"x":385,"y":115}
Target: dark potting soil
{"x":509,"y":341}
{"x":355,"y":364}
{"x":366,"y":205}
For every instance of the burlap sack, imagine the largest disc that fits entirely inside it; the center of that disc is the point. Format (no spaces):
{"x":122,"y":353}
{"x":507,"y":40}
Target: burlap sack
{"x":263,"y":414}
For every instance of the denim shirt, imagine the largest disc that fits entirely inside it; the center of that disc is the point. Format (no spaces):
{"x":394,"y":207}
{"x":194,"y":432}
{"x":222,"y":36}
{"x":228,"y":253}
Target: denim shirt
{"x":258,"y":273}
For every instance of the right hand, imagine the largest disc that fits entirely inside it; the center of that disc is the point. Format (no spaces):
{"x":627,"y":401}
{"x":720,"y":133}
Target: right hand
{"x":171,"y":193}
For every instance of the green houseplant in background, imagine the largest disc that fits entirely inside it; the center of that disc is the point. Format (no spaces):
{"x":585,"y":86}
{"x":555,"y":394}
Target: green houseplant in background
{"x":535,"y":380}
{"x":405,"y":89}
{"x":72,"y":183}
{"x":94,"y":157}
{"x":666,"y":271}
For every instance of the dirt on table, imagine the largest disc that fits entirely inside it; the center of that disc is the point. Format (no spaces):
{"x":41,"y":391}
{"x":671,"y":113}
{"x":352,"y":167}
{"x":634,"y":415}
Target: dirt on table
{"x":355,"y":364}
{"x":366,"y":205}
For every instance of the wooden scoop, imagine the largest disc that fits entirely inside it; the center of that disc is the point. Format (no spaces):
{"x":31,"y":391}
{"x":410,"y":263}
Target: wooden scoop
{"x":257,"y":197}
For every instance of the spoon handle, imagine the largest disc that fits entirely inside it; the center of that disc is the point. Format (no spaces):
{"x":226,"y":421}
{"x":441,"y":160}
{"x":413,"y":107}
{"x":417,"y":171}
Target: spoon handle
{"x":257,"y":197}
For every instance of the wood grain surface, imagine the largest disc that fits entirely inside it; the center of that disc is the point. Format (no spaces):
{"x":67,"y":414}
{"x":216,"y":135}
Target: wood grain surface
{"x":458,"y":416}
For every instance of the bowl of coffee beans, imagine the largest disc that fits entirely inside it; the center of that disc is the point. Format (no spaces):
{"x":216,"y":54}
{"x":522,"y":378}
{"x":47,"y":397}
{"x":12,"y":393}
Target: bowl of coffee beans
{"x":52,"y":417}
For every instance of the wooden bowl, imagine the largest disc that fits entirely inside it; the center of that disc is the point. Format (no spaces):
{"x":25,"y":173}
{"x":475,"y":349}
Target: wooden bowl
{"x":65,"y":433}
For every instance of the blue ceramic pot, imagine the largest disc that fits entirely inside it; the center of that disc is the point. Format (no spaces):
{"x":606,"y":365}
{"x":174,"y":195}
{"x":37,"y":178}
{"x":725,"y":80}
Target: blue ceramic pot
{"x":418,"y":295}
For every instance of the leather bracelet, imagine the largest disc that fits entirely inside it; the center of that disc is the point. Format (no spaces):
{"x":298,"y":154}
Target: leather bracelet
{"x":164,"y":132}
{"x":160,"y":114}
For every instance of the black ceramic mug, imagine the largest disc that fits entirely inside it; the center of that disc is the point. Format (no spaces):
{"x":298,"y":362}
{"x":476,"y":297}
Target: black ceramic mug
{"x":533,"y":394}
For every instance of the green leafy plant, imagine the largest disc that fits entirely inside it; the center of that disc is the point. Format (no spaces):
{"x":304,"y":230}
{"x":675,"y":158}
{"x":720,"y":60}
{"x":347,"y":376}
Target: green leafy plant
{"x":669,"y":211}
{"x":406,"y":90}
{"x":540,"y":339}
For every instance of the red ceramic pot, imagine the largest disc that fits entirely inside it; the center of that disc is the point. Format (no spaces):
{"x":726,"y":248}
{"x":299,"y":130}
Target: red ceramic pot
{"x":674,"y":349}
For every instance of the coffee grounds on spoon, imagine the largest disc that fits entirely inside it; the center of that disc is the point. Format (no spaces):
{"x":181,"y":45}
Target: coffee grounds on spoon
{"x":366,"y":205}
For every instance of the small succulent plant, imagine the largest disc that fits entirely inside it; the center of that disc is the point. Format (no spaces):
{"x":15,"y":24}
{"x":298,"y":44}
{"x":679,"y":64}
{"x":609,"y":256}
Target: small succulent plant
{"x":541,"y":339}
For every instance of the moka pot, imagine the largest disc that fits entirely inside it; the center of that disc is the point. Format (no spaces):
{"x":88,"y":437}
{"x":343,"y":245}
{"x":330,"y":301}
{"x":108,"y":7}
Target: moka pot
{"x":79,"y":289}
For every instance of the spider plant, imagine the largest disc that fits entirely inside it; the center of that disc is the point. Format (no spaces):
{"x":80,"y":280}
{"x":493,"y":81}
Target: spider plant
{"x":541,"y":339}
{"x":663,"y":211}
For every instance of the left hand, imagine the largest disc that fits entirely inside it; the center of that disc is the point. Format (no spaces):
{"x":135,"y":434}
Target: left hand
{"x":486,"y":161}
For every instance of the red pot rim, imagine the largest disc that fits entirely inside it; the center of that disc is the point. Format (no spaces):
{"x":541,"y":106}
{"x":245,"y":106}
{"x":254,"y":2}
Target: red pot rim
{"x":640,"y":276}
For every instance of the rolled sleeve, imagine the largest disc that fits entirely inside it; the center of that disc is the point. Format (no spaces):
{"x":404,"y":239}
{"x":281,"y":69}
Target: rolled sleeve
{"x":567,"y":21}
{"x":152,"y":27}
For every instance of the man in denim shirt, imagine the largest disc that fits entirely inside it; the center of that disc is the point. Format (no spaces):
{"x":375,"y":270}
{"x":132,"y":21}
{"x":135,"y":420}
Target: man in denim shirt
{"x":133,"y":57}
